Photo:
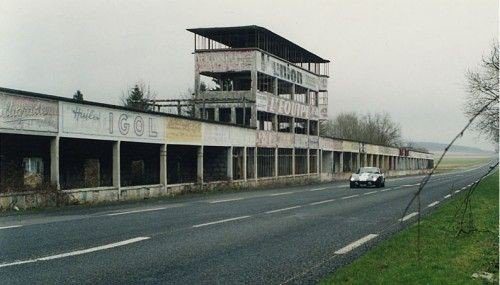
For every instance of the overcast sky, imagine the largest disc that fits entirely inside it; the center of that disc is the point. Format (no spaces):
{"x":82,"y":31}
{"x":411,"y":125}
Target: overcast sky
{"x":404,"y":57}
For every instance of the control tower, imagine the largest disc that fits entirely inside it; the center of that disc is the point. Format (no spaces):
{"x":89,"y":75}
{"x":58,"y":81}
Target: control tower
{"x":250,"y":76}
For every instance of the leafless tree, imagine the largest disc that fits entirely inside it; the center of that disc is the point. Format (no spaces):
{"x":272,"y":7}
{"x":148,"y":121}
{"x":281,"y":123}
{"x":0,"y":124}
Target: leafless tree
{"x":376,"y":128}
{"x":482,"y":87}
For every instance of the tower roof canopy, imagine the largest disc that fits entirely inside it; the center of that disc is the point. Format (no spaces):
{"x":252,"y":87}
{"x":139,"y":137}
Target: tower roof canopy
{"x":259,"y":37}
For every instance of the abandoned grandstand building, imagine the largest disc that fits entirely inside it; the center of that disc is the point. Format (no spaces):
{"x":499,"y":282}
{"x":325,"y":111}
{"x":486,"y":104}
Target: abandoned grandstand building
{"x":253,"y":121}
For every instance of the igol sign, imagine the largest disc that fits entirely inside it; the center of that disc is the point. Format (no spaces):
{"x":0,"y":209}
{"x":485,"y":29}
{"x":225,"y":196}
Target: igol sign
{"x":98,"y":121}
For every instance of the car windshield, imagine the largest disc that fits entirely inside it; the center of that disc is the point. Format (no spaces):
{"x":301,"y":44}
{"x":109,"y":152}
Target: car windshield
{"x":368,"y":170}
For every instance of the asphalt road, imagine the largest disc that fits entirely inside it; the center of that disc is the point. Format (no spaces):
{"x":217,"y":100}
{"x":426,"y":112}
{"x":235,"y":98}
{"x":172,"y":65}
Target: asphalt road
{"x":287,"y":235}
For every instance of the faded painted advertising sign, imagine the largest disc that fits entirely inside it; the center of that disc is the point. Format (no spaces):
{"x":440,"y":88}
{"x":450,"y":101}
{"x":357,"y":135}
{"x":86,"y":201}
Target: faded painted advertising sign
{"x":216,"y":135}
{"x":275,"y":104}
{"x":111,"y":123}
{"x":183,"y":131}
{"x":225,"y":61}
{"x":330,"y":144}
{"x":350,"y":146}
{"x":266,"y":139}
{"x":313,"y":142}
{"x":283,"y":70}
{"x":28,"y":114}
{"x":242,"y":137}
{"x":301,"y":141}
{"x":285,"y":140}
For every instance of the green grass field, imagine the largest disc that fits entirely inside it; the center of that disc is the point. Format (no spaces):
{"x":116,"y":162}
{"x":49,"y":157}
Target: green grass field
{"x":460,"y":162}
{"x":445,"y":257}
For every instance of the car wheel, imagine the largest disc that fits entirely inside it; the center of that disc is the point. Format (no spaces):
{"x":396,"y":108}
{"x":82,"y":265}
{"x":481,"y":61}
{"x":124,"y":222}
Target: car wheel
{"x":351,"y":185}
{"x":378,"y":183}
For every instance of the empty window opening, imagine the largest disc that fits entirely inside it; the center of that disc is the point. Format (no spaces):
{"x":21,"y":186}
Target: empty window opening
{"x":214,"y":163}
{"x":265,"y":121}
{"x":85,"y":163}
{"x":182,"y":164}
{"x":140,"y":164}
{"x":285,"y":161}
{"x":265,"y":162}
{"x":300,"y":161}
{"x":284,"y":124}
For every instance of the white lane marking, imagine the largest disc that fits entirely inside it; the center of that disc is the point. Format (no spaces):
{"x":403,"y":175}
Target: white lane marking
{"x":447,"y":196}
{"x":463,"y":188}
{"x":225,"y":200}
{"x":318,"y":189}
{"x":386,"y":189}
{"x":433,"y":204}
{"x":368,"y":193}
{"x":321,"y":202}
{"x":341,"y":186}
{"x":355,"y":244}
{"x":282,"y":209}
{"x":457,"y":191}
{"x":77,"y":252}
{"x":10,"y":227}
{"x":409,"y":185}
{"x":348,"y":197}
{"x":282,"y":193}
{"x":136,"y":211}
{"x":407,"y":217}
{"x":221,"y":221}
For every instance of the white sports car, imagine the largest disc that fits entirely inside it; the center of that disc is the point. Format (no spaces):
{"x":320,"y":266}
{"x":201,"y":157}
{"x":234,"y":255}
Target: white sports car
{"x":367,"y":176}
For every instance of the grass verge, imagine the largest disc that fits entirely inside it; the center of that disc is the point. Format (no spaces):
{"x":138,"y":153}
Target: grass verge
{"x":445,"y":257}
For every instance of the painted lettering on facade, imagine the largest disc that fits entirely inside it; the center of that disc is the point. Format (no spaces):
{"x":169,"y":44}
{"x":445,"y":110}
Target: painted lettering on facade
{"x":216,"y":135}
{"x":266,"y":139}
{"x":283,"y":70}
{"x":28,"y":114}
{"x":301,"y":141}
{"x":275,"y":104}
{"x":225,"y":61}
{"x":107,"y":122}
{"x":183,"y":131}
{"x":285,"y":140}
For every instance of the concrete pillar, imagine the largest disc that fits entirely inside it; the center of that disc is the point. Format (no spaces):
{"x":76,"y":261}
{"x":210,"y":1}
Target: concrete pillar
{"x":196,"y":92}
{"x":163,"y":164}
{"x":116,"y":167}
{"x":365,"y":159}
{"x":276,"y":162}
{"x":358,"y":161}
{"x":230,"y":163}
{"x":253,"y":89}
{"x":216,"y":114}
{"x":54,"y":162}
{"x":308,"y":162}
{"x":233,"y":115}
{"x":341,"y":162}
{"x":292,"y":125}
{"x":275,"y":81}
{"x":319,"y":160}
{"x":245,"y":163}
{"x":199,"y":168}
{"x":371,"y":160}
{"x":293,"y":161}
{"x":255,"y":168}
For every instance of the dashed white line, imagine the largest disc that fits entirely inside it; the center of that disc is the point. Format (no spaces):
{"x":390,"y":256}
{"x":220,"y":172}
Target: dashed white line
{"x":409,"y":185}
{"x":225,"y":200}
{"x":386,"y":189}
{"x":282,"y":193}
{"x":407,"y":217}
{"x":283,"y":209}
{"x":433,"y":204}
{"x":322,"y":202}
{"x":77,"y":252}
{"x":221,"y":221}
{"x":318,"y":189}
{"x":457,"y":191}
{"x":10,"y":227}
{"x":368,"y":193}
{"x":447,"y":196}
{"x":348,"y":197}
{"x":355,"y":244}
{"x":136,"y":211}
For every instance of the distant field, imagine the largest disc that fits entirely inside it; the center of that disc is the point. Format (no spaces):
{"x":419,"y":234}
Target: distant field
{"x":459,"y":162}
